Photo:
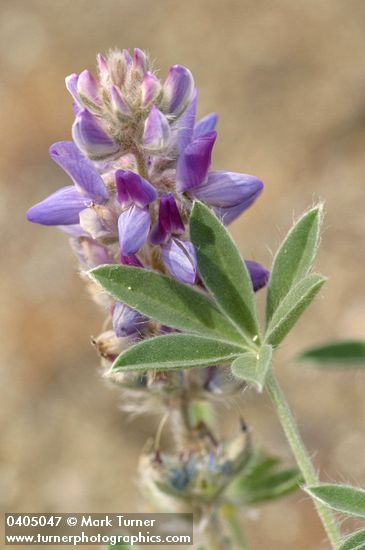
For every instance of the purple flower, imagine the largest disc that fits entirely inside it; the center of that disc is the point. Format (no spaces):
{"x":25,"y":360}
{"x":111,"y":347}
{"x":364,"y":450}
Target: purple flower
{"x":127,"y":321}
{"x":135,"y":194}
{"x":90,"y":253}
{"x":229,"y":193}
{"x":206,"y":125}
{"x":91,"y":138}
{"x":132,"y":188}
{"x":180,"y":259}
{"x":83,"y":173}
{"x":157,"y":133}
{"x":177,"y":90}
{"x":259,"y":274}
{"x":185,"y":124}
{"x":60,"y":208}
{"x":169,"y":221}
{"x":194,"y":162}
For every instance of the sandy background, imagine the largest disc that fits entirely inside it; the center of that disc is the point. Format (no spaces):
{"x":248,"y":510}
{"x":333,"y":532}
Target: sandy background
{"x":288,"y":81}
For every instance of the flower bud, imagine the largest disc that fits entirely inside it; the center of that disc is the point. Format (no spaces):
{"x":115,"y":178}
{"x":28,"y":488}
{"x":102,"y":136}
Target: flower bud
{"x":87,"y":88}
{"x":90,"y":137}
{"x":156,"y":135}
{"x":177,"y":90}
{"x":118,"y":103}
{"x":71,"y":85}
{"x":150,"y":89}
{"x":127,"y":321}
{"x":139,"y":62}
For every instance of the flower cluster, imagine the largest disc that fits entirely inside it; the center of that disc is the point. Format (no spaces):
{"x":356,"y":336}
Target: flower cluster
{"x":137,"y":161}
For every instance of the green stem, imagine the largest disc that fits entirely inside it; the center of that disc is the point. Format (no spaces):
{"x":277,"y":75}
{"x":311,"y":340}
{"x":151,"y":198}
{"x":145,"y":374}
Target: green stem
{"x":229,"y":514}
{"x":302,"y":457}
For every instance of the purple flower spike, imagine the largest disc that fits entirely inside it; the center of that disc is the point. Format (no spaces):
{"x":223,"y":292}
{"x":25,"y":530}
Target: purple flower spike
{"x":177,"y":90}
{"x":133,"y":189}
{"x":133,"y":228}
{"x":259,"y":274}
{"x":127,"y":321}
{"x":118,"y":103}
{"x":194,"y":162}
{"x":87,"y":87}
{"x":87,"y":180}
{"x":169,"y":221}
{"x":157,"y":132}
{"x":206,"y":125}
{"x":60,"y":208}
{"x":150,"y":89}
{"x":228,"y":189}
{"x":180,"y":259}
{"x":90,"y":137}
{"x":71,"y":85}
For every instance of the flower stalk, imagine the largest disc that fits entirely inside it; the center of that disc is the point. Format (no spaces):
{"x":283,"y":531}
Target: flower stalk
{"x":301,"y":455}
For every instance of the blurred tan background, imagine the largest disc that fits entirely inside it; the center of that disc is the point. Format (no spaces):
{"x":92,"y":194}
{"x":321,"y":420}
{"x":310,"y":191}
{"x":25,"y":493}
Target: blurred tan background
{"x":288,"y":81}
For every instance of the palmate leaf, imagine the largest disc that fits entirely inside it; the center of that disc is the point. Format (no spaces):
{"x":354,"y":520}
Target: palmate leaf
{"x":253,"y":367}
{"x":165,"y":300}
{"x":223,"y":271}
{"x":343,"y":498}
{"x":355,"y":541}
{"x":176,"y":351}
{"x":349,"y":353}
{"x":292,"y":307}
{"x":294,"y":258}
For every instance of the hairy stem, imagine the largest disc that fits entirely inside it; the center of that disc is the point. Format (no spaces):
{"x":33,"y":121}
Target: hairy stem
{"x":304,"y":462}
{"x":229,"y":514}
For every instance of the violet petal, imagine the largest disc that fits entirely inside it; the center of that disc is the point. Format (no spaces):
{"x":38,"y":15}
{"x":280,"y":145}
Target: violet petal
{"x":133,"y":227}
{"x":259,"y":274}
{"x":180,"y":259}
{"x":206,"y":125}
{"x":60,"y":208}
{"x":194,"y":162}
{"x":132,"y":188}
{"x":80,"y":170}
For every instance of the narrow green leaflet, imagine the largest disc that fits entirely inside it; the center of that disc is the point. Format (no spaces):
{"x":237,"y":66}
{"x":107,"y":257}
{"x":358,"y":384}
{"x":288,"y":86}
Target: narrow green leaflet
{"x":355,"y":541}
{"x":165,"y":300}
{"x":253,"y":367}
{"x":264,"y":480}
{"x":343,"y":498}
{"x":222,"y":270}
{"x":175,"y":351}
{"x":347,"y":353}
{"x":294,"y":258}
{"x":292,"y":307}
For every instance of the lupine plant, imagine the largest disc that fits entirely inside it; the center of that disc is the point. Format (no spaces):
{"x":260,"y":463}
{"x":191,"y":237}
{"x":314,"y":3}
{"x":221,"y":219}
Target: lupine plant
{"x":146,"y":218}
